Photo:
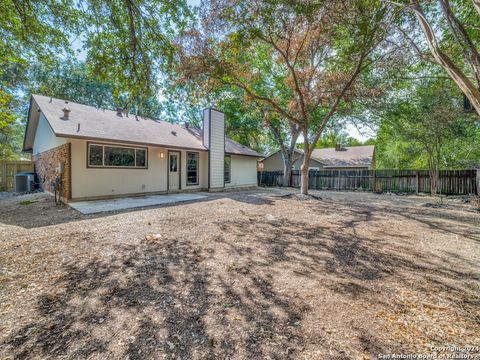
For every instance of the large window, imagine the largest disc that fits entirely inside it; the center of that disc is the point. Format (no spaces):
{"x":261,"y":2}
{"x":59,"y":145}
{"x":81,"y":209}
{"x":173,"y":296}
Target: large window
{"x":192,"y":168}
{"x":227,"y":169}
{"x":116,"y":156}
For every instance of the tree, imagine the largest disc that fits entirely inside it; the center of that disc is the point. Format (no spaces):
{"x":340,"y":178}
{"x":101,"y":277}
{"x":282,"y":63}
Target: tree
{"x":285,"y":135}
{"x":427,"y":129}
{"x":31,"y":33}
{"x":318,"y":51}
{"x":128,"y":44}
{"x":457,"y":50}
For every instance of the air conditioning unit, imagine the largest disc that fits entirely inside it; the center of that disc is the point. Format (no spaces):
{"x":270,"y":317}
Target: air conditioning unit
{"x":24,"y":182}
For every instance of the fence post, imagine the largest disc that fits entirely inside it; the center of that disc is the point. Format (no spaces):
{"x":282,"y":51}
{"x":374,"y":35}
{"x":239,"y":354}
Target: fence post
{"x":4,"y":176}
{"x":417,"y":180}
{"x":478,"y":181}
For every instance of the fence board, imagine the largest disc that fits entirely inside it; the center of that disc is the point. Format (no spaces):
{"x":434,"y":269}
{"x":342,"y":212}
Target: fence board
{"x":8,"y":170}
{"x":450,"y":182}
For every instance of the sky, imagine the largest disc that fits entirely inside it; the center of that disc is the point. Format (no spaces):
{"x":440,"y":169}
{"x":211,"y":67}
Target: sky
{"x":361,"y":133}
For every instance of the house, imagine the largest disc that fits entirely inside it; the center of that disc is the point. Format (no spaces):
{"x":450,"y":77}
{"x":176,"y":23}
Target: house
{"x":91,"y":153}
{"x":337,"y":158}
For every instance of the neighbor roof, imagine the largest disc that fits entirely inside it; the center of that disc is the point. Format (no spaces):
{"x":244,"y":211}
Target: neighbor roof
{"x":349,"y":156}
{"x":87,"y":122}
{"x":352,"y":156}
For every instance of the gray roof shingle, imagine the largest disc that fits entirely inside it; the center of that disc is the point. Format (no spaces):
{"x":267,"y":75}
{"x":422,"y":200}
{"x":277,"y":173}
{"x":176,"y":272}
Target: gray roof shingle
{"x":90,"y":123}
{"x":348,"y":156}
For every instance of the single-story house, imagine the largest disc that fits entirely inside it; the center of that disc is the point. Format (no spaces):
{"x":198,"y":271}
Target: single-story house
{"x":337,"y":158}
{"x":94,"y":153}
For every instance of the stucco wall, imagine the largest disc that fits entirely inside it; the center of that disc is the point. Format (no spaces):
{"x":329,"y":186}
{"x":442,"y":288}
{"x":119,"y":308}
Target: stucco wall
{"x":45,"y":139}
{"x":104,"y":182}
{"x":243,"y":171}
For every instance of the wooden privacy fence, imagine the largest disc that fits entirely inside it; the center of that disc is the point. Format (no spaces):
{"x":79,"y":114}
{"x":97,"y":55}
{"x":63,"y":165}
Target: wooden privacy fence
{"x":8,"y":170}
{"x":450,"y":182}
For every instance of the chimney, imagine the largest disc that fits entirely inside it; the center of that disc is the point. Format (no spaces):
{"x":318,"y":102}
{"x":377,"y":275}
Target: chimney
{"x":66,"y":112}
{"x":214,"y":141}
{"x":338,"y":147}
{"x":119,"y":112}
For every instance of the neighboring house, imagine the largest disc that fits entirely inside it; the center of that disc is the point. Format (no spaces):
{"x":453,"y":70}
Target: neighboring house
{"x":337,"y":158}
{"x":98,"y":153}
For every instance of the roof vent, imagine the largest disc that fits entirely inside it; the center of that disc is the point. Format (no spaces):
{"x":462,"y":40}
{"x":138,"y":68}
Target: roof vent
{"x":119,"y":112}
{"x":66,"y":113}
{"x":186,"y":125}
{"x":174,"y":133}
{"x":338,"y":147}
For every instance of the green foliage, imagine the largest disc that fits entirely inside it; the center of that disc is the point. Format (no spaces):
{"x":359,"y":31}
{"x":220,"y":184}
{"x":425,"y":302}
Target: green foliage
{"x":136,"y":60}
{"x":130,"y":42}
{"x":128,"y":45}
{"x":7,"y":119}
{"x":70,"y":80}
{"x":28,"y":201}
{"x":427,"y":129}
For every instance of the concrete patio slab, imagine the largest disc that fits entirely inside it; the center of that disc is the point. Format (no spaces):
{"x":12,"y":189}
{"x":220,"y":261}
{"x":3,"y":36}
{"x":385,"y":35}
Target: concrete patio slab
{"x":97,"y":206}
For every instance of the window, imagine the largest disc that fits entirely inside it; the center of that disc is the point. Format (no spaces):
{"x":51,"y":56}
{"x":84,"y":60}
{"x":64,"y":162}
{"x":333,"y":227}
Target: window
{"x":192,"y":168}
{"x":96,"y":155}
{"x":116,"y":156}
{"x":227,"y":168}
{"x":173,"y":162}
{"x":140,"y":157}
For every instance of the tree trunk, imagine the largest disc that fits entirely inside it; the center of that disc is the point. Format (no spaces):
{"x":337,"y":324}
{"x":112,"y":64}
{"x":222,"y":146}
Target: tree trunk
{"x":306,"y":162}
{"x":287,"y":171}
{"x":286,"y":151}
{"x":433,"y":182}
{"x":287,"y":157}
{"x":470,"y":52}
{"x":304,"y":179}
{"x":433,"y":175}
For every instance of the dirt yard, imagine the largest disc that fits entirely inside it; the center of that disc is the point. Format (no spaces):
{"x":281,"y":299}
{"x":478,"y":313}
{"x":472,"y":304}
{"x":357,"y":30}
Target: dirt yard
{"x":242,"y":275}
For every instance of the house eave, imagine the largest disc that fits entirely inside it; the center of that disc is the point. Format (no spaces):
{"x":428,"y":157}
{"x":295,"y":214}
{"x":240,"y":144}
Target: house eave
{"x":24,"y":148}
{"x":348,"y":166}
{"x":119,"y":141}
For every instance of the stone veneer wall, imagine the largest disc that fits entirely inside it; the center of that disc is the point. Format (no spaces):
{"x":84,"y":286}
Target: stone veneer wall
{"x":46,"y":164}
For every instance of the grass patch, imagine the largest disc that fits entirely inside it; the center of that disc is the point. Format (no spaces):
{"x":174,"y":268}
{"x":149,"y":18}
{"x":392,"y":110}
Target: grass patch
{"x":28,"y":202}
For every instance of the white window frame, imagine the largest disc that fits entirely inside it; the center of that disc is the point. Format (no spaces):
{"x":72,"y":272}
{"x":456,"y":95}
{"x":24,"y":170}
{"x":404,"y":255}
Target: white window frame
{"x":198,"y":167}
{"x":229,"y":170}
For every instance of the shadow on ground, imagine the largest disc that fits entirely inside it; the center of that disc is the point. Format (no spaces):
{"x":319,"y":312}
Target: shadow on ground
{"x":152,"y":300}
{"x":240,"y":295}
{"x":39,"y":209}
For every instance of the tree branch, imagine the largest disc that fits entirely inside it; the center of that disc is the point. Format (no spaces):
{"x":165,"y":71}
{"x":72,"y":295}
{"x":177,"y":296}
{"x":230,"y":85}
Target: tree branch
{"x":472,"y":93}
{"x":469,"y":49}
